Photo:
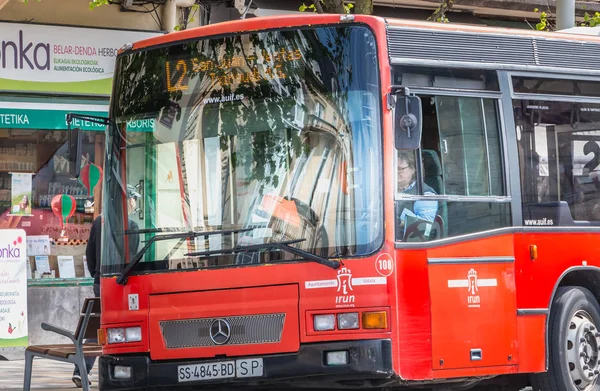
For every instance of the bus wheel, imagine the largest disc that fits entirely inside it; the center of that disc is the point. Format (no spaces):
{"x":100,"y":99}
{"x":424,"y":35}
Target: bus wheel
{"x":574,"y":343}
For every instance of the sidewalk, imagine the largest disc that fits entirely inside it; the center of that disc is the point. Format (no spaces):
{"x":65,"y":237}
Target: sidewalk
{"x":47,"y":375}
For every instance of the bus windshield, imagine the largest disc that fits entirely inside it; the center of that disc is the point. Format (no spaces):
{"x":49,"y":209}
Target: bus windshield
{"x":269,"y":136}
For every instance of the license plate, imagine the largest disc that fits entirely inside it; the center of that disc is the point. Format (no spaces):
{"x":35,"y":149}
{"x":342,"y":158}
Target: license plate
{"x":252,"y":367}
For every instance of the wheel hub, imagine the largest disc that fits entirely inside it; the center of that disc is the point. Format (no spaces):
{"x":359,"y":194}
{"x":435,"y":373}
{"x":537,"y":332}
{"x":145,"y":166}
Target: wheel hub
{"x":583,"y":344}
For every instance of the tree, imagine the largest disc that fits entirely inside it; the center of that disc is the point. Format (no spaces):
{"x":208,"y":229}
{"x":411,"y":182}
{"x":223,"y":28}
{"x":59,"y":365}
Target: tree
{"x":440,"y":14}
{"x":548,"y":20}
{"x":189,"y":13}
{"x":364,"y":7}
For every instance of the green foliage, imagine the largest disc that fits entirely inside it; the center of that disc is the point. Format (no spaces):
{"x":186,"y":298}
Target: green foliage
{"x":591,"y":20}
{"x":304,"y":8}
{"x":440,"y":14}
{"x":312,"y":8}
{"x":191,"y":18}
{"x":182,"y":26}
{"x":98,"y":3}
{"x":93,"y":3}
{"x":547,"y":21}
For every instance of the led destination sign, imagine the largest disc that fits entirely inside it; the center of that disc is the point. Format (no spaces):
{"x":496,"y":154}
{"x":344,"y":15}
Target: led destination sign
{"x":230,"y":70}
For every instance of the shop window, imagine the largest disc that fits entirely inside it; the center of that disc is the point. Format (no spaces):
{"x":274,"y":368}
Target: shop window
{"x":33,"y":170}
{"x":460,"y":158}
{"x":559,"y":156}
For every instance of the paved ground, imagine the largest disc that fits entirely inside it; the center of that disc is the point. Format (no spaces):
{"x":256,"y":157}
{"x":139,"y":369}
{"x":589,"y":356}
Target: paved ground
{"x":47,"y":375}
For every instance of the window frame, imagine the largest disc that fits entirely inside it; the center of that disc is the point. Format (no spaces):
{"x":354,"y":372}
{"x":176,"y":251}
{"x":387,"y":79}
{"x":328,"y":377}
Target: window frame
{"x":506,"y":175}
{"x":507,"y":80}
{"x":481,"y":95}
{"x":512,"y":75}
{"x":577,"y":223}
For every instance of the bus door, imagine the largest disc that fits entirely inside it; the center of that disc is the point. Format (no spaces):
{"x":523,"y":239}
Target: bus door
{"x":463,"y":193}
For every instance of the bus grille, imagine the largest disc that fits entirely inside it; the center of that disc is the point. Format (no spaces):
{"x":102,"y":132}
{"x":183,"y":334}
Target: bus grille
{"x":407,"y":44}
{"x":249,"y":329}
{"x":460,"y":47}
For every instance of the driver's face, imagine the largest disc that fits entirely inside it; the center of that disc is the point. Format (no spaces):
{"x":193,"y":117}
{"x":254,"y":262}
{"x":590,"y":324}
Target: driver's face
{"x":405,"y":174}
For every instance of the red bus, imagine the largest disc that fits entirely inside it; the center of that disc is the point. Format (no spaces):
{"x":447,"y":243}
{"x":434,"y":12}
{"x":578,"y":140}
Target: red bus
{"x":353,"y":202}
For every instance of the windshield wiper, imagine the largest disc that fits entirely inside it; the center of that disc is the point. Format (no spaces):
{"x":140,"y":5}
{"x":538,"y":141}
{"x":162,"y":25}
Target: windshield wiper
{"x":122,"y":279}
{"x":182,"y":229}
{"x":284,"y":245}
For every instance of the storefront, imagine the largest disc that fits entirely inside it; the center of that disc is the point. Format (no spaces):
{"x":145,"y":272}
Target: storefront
{"x":45,"y":73}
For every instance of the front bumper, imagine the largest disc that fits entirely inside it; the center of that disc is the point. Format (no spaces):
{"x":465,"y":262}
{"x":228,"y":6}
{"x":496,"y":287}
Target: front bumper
{"x":370,"y":363}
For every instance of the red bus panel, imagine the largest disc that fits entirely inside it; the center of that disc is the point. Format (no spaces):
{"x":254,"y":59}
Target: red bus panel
{"x":473,"y":311}
{"x":265,"y":321}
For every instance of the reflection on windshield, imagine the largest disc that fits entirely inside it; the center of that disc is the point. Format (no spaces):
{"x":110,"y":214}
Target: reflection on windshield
{"x":276,"y":131}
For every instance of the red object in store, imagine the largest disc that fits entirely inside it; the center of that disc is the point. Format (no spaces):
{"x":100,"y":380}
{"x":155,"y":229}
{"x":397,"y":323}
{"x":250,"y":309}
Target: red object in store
{"x":63,"y":206}
{"x":90,"y":177}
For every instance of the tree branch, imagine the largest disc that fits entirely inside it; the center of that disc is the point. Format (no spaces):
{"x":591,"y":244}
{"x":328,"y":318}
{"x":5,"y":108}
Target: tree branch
{"x":439,"y":15}
{"x":363,"y":7}
{"x":334,"y":6}
{"x":318,"y":6}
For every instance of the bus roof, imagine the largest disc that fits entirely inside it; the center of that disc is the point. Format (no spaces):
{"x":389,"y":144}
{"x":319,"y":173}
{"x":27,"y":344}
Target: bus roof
{"x":447,"y":45}
{"x":255,"y":24}
{"x":420,"y":42}
{"x":578,"y":33}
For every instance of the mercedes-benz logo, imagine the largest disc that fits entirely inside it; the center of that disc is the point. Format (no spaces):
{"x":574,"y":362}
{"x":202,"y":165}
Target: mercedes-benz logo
{"x":220,"y":331}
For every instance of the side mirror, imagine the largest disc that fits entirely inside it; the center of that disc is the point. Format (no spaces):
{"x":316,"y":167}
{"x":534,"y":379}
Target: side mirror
{"x":408,"y":121}
{"x":74,"y":149}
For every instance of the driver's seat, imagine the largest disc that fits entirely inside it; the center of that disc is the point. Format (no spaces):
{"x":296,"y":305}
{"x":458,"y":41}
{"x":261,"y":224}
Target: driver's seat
{"x":433,"y":175}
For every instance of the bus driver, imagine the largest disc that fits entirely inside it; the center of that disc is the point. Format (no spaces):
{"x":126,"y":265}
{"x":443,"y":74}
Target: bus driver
{"x":421,"y":209}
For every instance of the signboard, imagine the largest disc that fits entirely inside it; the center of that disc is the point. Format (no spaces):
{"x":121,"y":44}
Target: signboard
{"x":13,"y":288}
{"x":38,"y":245}
{"x":20,"y":194}
{"x":61,"y":59}
{"x":12,"y":118}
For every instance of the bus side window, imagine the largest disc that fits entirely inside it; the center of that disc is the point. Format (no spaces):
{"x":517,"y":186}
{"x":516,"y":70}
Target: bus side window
{"x":461,"y":156}
{"x":559,"y":159}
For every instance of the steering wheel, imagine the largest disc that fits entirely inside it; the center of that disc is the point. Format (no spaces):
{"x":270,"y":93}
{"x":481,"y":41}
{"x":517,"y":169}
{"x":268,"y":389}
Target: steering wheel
{"x":415,"y":231}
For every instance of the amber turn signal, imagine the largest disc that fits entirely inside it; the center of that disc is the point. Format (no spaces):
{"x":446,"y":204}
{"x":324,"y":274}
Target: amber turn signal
{"x":101,"y":334}
{"x":533,"y":252}
{"x":374,"y":320}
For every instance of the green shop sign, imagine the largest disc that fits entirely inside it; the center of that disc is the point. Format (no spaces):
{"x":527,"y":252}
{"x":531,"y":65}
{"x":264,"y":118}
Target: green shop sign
{"x":57,"y":120}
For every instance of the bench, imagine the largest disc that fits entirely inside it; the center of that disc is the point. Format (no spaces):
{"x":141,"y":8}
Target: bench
{"x":75,"y":353}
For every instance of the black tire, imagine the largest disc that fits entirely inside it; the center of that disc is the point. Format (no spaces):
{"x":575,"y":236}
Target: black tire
{"x":568,"y":302}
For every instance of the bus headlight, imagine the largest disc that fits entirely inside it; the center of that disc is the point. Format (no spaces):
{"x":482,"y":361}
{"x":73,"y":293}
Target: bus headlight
{"x":324,"y":322}
{"x":124,"y":334}
{"x":133,"y":334}
{"x":116,"y":335}
{"x":348,"y":321}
